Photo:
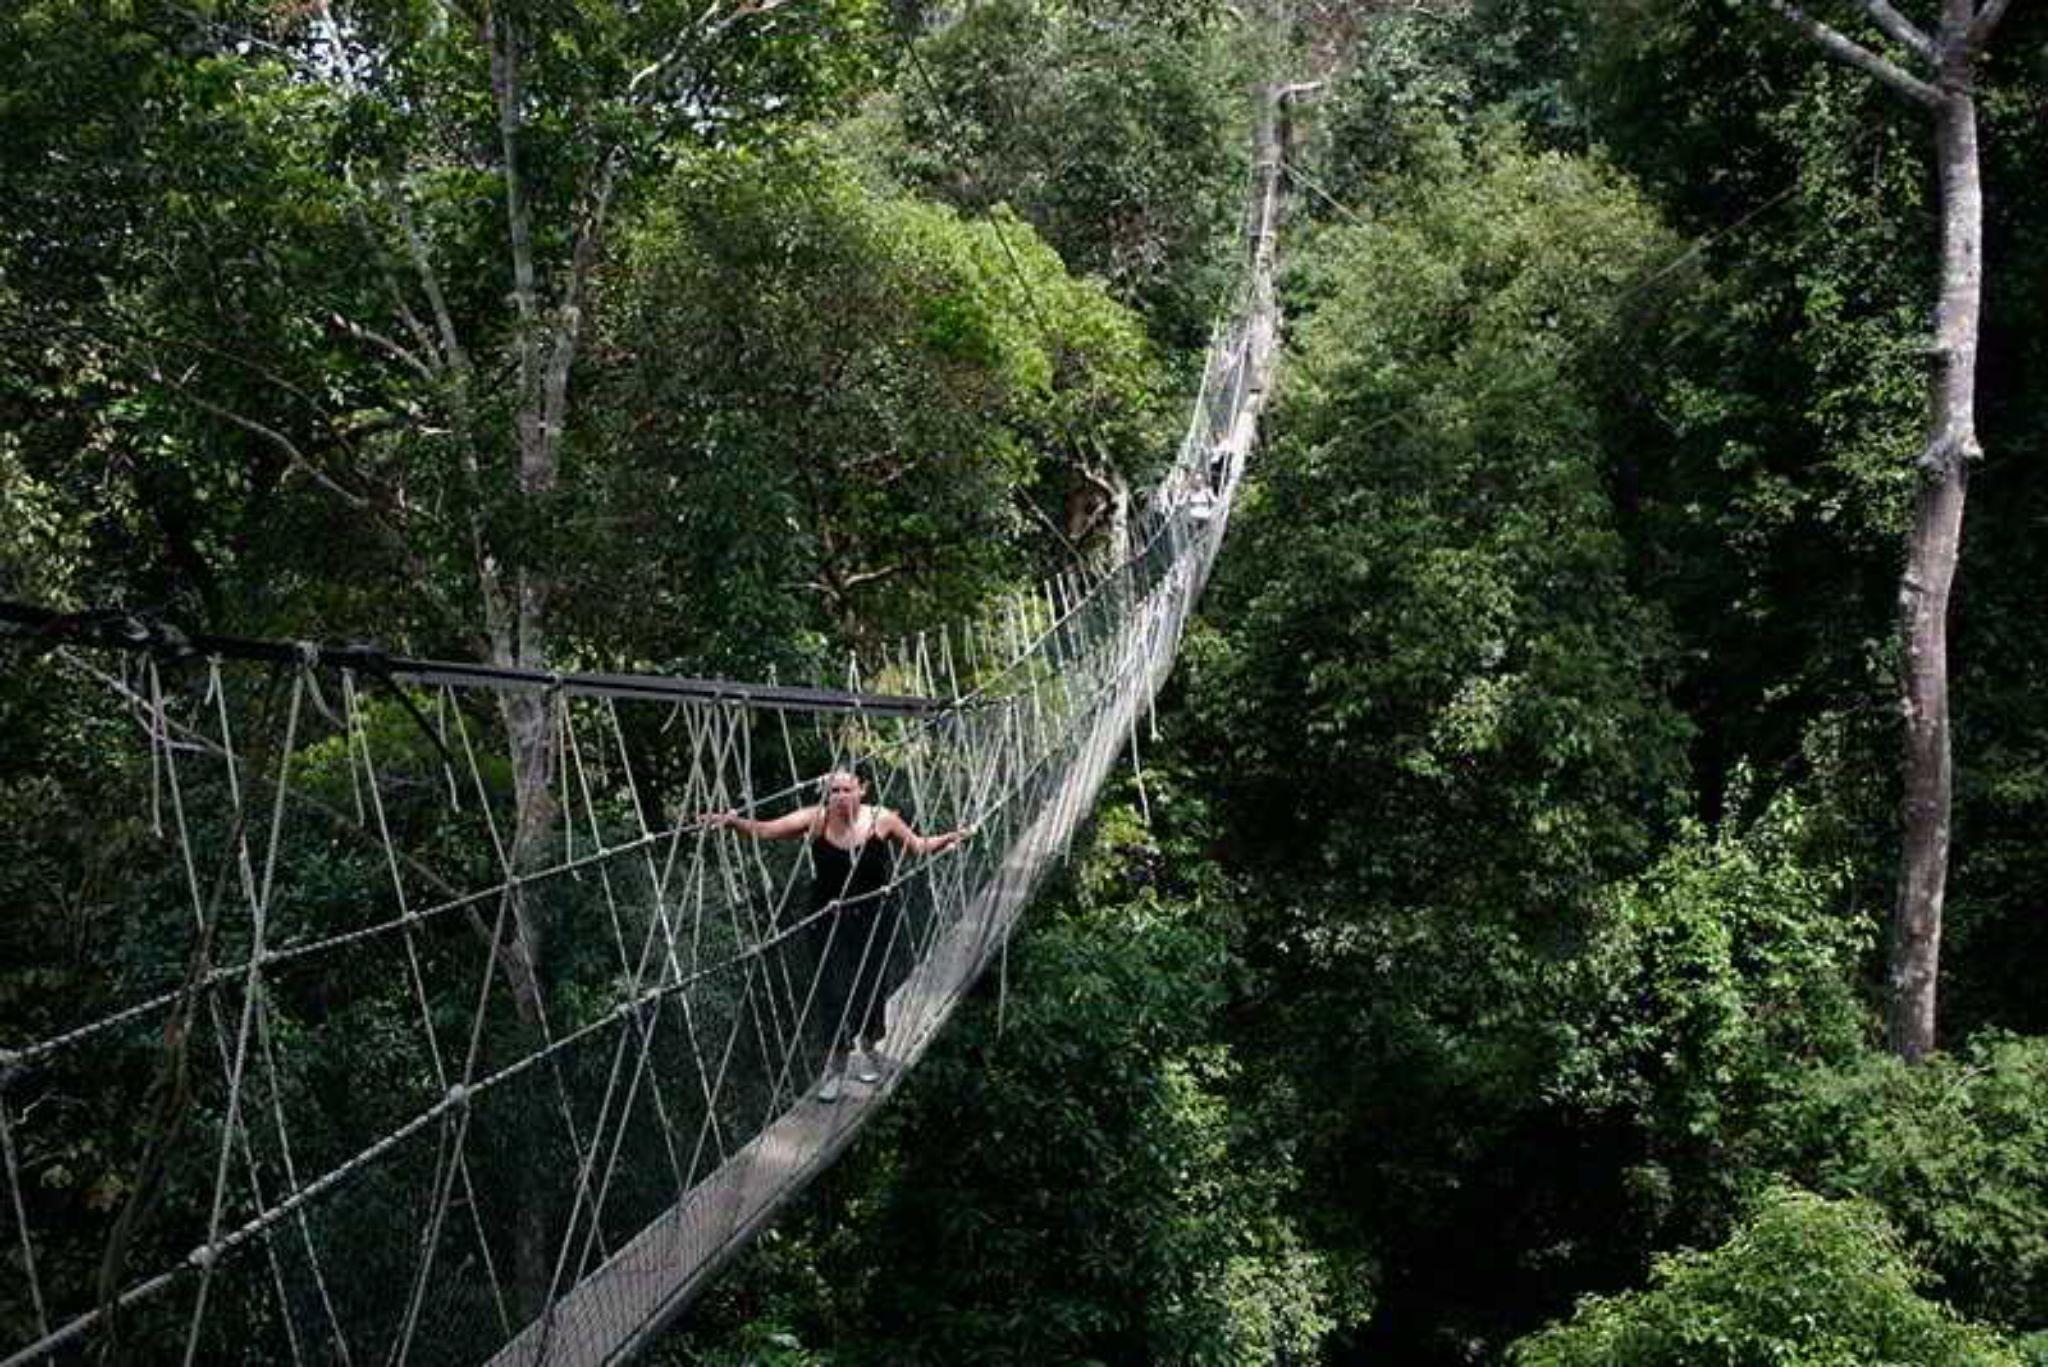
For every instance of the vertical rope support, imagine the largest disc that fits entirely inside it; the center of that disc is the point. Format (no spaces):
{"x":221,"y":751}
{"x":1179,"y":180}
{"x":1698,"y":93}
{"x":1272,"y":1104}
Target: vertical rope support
{"x":28,"y":1246}
{"x":658,"y":890}
{"x":207,"y":1255}
{"x":452,"y":1162}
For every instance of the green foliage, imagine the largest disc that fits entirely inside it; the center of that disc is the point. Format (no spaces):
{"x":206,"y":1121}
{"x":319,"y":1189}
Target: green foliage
{"x":1418,"y":84}
{"x":1118,"y":131}
{"x":1804,"y":1281}
{"x":1781,"y":407}
{"x":168,"y":212}
{"x":839,"y":385}
{"x":1444,"y":683}
{"x":1435,"y":715}
{"x":1497,"y":968}
{"x":1714,"y":985}
{"x":1955,"y":1151}
{"x":758,"y":1344}
{"x":1784,"y":415}
{"x":1116,"y":1202}
{"x":259,"y":254}
{"x":1391,"y":117}
{"x":41,"y":543}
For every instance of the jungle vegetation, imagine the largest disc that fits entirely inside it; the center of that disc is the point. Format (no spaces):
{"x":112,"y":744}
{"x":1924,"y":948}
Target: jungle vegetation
{"x":1495,"y":968}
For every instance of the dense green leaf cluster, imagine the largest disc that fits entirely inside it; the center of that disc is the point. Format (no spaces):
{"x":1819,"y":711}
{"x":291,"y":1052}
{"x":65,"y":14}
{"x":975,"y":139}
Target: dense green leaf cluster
{"x":290,"y":298}
{"x":1954,"y":1152}
{"x":1543,"y":1020}
{"x":1453,"y":635}
{"x":1709,"y":988}
{"x":1802,"y":1281}
{"x":834,"y":395}
{"x":1113,"y":128}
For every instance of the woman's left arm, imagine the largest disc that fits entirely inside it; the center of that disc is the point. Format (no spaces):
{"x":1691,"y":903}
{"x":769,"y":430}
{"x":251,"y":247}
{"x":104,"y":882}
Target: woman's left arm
{"x":893,"y":827}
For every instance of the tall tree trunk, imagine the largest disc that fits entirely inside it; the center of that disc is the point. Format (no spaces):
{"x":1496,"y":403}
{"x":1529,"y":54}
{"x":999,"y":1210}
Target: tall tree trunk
{"x":1932,"y":551}
{"x":1951,"y":56}
{"x":516,"y":595}
{"x":517,"y":602}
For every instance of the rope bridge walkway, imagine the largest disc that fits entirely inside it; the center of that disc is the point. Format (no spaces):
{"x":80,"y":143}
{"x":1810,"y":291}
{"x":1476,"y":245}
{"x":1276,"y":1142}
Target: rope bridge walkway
{"x":379,"y":1074}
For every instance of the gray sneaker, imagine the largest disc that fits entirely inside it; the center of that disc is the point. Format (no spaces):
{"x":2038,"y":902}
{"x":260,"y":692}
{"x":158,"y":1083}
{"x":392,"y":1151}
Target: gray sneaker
{"x":828,"y":1090}
{"x":865,"y":1067}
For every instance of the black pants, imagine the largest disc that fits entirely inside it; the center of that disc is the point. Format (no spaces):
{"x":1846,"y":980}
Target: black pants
{"x":851,"y":946}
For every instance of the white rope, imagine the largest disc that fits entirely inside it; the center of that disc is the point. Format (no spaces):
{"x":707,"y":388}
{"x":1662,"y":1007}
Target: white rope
{"x":644,"y":1035}
{"x":451,"y":1158}
{"x":306,"y":1193}
{"x":657,"y":882}
{"x":258,"y":897}
{"x":216,"y":693}
{"x":515,"y":886}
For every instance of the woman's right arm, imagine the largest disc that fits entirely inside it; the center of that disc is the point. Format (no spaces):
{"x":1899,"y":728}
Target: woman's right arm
{"x":798,"y":822}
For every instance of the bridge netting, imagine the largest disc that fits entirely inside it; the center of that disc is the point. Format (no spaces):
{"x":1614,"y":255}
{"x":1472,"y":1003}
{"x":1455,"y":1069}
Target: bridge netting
{"x":355,"y":1068}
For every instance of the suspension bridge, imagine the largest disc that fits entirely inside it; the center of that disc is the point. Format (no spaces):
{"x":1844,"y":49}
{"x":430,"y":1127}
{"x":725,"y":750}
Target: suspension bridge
{"x":557,"y":1083}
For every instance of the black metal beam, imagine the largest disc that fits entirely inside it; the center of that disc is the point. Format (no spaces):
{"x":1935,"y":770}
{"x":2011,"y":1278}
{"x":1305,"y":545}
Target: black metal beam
{"x":115,"y":629}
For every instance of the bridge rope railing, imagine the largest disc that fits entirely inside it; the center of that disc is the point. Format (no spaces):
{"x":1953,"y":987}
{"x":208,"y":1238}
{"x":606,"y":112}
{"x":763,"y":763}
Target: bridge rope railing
{"x":361,"y":1074}
{"x":243,"y":972}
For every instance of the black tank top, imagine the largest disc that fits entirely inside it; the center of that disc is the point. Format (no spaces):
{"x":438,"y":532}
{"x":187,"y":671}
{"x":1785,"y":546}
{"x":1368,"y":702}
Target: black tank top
{"x":853,"y":876}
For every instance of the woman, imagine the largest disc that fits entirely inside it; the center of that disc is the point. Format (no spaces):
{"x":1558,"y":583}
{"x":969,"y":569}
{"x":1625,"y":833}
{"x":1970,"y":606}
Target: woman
{"x":848,"y":923}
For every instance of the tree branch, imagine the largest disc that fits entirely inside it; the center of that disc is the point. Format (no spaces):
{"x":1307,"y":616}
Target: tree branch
{"x":384,"y":344}
{"x":276,"y":438}
{"x":421,"y":337}
{"x":1853,"y":53}
{"x":1899,"y":28}
{"x":423,"y":266}
{"x":518,"y":217}
{"x":341,"y":819}
{"x":850,"y":582}
{"x":394,"y":537}
{"x":1059,"y":534}
{"x":1981,"y":27}
{"x":569,"y":316}
{"x":657,"y":74}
